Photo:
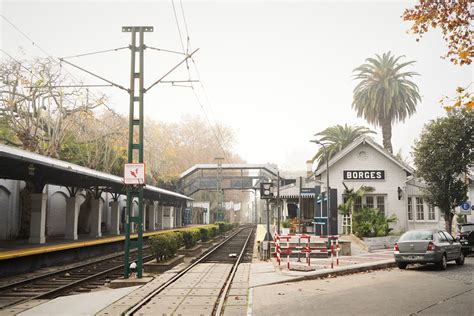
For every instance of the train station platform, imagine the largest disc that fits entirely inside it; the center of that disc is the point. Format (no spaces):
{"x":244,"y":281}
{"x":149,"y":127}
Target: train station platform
{"x":19,"y":256}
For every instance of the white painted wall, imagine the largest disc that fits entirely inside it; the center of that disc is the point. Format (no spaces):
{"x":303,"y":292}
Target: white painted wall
{"x":395,"y":177}
{"x":56,"y":211}
{"x":9,"y":205}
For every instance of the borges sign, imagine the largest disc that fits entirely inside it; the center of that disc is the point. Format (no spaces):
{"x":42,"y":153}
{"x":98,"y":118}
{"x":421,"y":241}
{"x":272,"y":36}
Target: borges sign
{"x":364,"y":175}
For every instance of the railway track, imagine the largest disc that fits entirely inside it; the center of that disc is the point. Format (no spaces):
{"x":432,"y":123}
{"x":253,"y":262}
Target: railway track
{"x":77,"y":279}
{"x":203,"y":287}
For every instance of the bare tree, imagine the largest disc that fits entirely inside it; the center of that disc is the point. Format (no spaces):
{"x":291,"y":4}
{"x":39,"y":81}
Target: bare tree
{"x":37,"y":107}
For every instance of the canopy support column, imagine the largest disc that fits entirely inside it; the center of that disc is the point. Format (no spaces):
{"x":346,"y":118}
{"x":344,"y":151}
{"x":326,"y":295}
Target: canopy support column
{"x":38,"y":218}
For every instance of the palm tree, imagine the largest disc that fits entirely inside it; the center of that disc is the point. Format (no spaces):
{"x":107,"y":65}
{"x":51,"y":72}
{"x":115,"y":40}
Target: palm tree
{"x":337,"y":137}
{"x":385,"y":94}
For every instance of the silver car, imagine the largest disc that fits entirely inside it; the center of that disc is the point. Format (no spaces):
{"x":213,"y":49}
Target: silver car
{"x":427,"y":246}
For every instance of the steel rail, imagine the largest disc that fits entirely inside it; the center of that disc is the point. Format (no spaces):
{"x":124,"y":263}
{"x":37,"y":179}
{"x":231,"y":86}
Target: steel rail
{"x":225,"y":291}
{"x":57,"y":272}
{"x":67,"y":287}
{"x":144,"y":301}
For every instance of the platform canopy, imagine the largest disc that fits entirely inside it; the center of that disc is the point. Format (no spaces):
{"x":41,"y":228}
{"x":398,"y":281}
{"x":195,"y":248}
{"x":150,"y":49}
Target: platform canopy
{"x":18,"y":164}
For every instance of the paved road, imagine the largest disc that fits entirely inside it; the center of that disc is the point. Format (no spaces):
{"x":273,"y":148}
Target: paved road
{"x":420,"y":290}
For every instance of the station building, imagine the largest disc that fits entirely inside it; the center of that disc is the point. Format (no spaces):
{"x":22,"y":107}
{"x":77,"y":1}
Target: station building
{"x":364,"y":163}
{"x":65,"y":200}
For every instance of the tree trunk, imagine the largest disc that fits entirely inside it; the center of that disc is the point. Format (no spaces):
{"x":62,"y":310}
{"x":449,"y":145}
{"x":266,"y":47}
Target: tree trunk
{"x":387,"y":135}
{"x":448,"y":220}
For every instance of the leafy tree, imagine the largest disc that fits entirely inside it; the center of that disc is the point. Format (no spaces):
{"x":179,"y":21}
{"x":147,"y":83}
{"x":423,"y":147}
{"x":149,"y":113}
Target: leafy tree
{"x":36,"y":110}
{"x":464,"y":99}
{"x":452,"y":18}
{"x":444,"y":152}
{"x":337,"y":138}
{"x":99,"y":143}
{"x":172,"y":148}
{"x":385,"y":93}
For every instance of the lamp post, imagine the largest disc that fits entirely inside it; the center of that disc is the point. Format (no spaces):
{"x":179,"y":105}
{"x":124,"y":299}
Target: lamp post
{"x":328,"y":193}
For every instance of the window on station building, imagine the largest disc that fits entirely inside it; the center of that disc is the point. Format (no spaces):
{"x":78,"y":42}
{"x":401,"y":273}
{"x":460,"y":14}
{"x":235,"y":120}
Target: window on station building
{"x":410,"y":209}
{"x":420,"y":214}
{"x":375,"y":201}
{"x":381,"y":203}
{"x":358,"y":203}
{"x":431,"y":213}
{"x":369,"y":201}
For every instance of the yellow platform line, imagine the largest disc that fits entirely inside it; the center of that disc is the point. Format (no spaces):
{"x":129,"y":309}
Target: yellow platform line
{"x":9,"y":254}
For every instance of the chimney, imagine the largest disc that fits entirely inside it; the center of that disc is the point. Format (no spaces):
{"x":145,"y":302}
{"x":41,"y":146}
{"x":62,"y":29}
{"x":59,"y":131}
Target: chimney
{"x":309,"y":169}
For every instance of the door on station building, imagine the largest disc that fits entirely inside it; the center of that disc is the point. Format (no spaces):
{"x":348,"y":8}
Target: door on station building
{"x":292,"y":210}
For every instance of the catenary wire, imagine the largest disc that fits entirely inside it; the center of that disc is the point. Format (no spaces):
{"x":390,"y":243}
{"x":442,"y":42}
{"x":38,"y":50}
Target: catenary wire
{"x":219,"y":132}
{"x":219,"y":141}
{"x":51,"y":58}
{"x":97,"y":52}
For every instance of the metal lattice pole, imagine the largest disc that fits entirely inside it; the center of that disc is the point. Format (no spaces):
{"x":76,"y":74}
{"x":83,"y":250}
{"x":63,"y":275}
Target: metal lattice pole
{"x":135,"y":119}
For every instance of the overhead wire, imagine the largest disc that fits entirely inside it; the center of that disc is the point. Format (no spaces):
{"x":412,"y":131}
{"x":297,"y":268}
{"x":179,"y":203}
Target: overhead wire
{"x":188,"y":42}
{"x":201,"y":104}
{"x":51,"y":58}
{"x":39,"y":78}
{"x":97,"y":52}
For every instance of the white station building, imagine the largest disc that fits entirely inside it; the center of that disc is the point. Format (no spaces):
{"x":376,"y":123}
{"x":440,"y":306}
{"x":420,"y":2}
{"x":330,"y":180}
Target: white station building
{"x":397,"y":191}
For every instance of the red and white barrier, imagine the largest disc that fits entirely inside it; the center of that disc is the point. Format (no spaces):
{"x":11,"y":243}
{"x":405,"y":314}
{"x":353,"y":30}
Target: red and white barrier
{"x":305,"y":248}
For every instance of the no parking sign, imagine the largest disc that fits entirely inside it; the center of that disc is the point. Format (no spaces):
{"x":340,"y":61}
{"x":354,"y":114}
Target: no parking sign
{"x":465,"y":208}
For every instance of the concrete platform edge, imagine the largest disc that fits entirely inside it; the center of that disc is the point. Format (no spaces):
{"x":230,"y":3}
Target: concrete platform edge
{"x":336,"y":272}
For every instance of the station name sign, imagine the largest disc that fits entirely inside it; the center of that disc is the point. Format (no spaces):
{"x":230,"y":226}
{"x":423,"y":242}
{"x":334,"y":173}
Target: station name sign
{"x":364,"y":174}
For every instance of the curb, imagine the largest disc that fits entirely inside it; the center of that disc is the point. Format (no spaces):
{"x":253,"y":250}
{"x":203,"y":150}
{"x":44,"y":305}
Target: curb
{"x":343,"y":271}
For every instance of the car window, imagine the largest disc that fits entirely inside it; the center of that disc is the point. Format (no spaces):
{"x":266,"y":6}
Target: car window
{"x":417,"y":235}
{"x":441,"y":237}
{"x":467,"y":228}
{"x":448,"y":236}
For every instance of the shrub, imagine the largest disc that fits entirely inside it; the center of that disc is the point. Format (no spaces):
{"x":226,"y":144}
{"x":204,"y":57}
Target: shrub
{"x":285,"y":224}
{"x":370,"y":222}
{"x":221,"y":227}
{"x":178,"y":235}
{"x":188,"y":239}
{"x":214,"y":230}
{"x":191,"y":237}
{"x":164,"y":246}
{"x":205,"y":233}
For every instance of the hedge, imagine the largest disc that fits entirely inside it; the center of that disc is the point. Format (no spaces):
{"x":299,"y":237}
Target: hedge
{"x":166,"y":244}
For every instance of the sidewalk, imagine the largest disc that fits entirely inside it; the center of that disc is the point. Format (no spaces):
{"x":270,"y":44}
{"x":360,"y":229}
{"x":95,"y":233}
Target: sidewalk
{"x":265,"y":273}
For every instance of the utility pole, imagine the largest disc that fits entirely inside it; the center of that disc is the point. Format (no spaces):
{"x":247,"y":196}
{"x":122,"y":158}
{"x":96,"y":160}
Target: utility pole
{"x":135,"y":142}
{"x":220,"y":195}
{"x":135,"y":148}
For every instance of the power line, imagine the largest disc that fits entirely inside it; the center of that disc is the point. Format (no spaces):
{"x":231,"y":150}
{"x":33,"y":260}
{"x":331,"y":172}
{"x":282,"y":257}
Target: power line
{"x":39,"y":78}
{"x":177,"y":25}
{"x":219,"y":132}
{"x":97,"y":52}
{"x":50,"y":57}
{"x":188,"y":43}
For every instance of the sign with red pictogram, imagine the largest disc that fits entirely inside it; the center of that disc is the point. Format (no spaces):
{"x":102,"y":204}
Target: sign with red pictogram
{"x":134,"y":173}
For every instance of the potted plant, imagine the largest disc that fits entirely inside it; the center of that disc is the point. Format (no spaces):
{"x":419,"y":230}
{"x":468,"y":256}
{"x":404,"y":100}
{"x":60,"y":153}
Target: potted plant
{"x":285,"y":230}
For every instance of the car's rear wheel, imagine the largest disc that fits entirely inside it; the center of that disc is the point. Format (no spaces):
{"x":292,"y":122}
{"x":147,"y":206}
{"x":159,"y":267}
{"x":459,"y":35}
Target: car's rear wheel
{"x":402,"y":265}
{"x":460,"y":260}
{"x":443,"y":264}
